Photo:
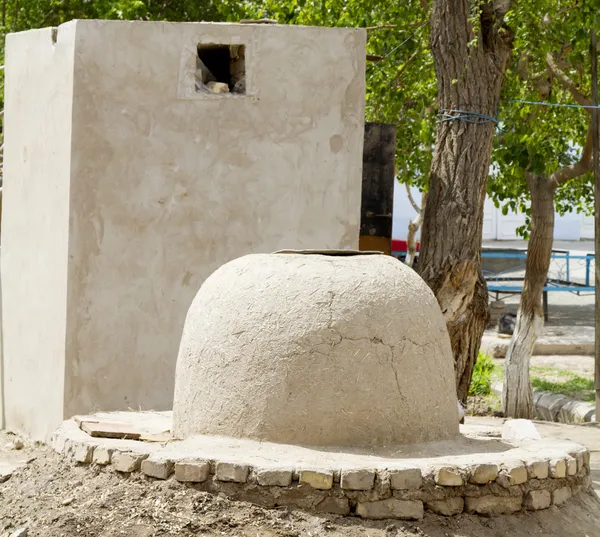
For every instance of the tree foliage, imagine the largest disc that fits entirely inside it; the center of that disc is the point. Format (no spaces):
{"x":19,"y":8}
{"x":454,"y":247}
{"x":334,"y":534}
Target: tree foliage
{"x":401,"y":88}
{"x":401,"y":85}
{"x":536,"y":138}
{"x":20,"y":15}
{"x":544,"y":153}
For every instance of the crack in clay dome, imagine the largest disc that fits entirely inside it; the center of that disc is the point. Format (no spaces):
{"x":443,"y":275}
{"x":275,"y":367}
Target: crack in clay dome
{"x":316,"y":347}
{"x":326,"y":382}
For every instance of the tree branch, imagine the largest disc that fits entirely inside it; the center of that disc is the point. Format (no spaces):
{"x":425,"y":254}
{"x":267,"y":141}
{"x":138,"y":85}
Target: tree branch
{"x":401,"y":70}
{"x":380,"y":27}
{"x":413,"y":227}
{"x":566,"y":82}
{"x":49,"y":14}
{"x":584,"y":165}
{"x":411,"y":199}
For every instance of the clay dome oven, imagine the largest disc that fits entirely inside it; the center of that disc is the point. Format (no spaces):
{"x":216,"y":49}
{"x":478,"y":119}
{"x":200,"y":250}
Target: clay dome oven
{"x":316,"y":348}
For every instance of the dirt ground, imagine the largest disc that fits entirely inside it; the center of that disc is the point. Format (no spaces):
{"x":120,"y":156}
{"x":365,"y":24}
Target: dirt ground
{"x":580,"y":365}
{"x":52,"y":497}
{"x":483,"y":405}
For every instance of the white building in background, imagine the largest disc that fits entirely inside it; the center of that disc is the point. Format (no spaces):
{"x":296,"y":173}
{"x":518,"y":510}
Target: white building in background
{"x":496,"y":226}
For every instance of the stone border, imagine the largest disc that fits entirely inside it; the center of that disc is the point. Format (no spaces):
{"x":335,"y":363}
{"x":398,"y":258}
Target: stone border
{"x":548,"y":406}
{"x":559,"y":408}
{"x":545,"y":473}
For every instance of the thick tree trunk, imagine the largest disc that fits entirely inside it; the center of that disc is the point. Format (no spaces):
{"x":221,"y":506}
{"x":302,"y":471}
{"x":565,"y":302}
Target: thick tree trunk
{"x":469,"y":79}
{"x":516,"y":396}
{"x":413,"y":227}
{"x":465,"y":335}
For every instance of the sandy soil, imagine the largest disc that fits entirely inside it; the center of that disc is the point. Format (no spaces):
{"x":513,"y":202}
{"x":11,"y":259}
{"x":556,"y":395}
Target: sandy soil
{"x":53,"y":497}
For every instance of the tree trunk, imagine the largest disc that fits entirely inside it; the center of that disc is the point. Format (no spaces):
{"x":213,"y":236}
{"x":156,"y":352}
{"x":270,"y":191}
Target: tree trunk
{"x":469,"y":79}
{"x":465,"y":335}
{"x":516,"y":394}
{"x":413,"y":227}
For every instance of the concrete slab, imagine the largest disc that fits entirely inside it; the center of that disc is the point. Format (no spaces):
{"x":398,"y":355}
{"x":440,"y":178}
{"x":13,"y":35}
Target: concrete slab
{"x":555,"y":340}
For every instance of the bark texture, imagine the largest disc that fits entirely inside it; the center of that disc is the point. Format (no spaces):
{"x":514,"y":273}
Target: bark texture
{"x":517,"y":396}
{"x":469,"y":78}
{"x":413,"y":227}
{"x":465,"y":335}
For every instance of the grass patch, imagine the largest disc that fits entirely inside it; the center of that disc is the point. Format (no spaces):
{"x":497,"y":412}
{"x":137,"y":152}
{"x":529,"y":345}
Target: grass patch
{"x":481,"y":383}
{"x":482,"y":401}
{"x":573,"y":386}
{"x":559,"y":381}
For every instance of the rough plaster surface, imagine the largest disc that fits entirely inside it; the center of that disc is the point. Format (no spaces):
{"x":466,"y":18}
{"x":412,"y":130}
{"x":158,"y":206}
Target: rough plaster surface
{"x":392,"y":482}
{"x":316,"y":350}
{"x":35,"y":227}
{"x":124,"y":189}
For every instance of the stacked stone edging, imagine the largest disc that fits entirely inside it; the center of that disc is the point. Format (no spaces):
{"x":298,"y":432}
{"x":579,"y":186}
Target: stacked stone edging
{"x":549,"y":475}
{"x":558,"y":408}
{"x":562,"y":409}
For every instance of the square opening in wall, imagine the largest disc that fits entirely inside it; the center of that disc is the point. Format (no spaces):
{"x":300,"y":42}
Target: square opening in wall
{"x":221,"y":69}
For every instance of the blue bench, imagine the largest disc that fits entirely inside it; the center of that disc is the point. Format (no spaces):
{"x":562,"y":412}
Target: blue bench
{"x":495,"y":280}
{"x":498,"y":264}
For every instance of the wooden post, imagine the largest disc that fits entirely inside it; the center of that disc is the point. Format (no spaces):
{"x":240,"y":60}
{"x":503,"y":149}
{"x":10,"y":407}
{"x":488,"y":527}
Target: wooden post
{"x":596,"y":152}
{"x":378,"y":187}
